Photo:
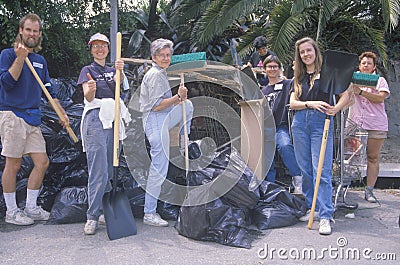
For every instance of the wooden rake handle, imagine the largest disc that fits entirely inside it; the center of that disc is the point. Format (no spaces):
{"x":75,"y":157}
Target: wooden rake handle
{"x":185,"y":132}
{"x":51,"y":101}
{"x":319,"y":171}
{"x":117,"y":110}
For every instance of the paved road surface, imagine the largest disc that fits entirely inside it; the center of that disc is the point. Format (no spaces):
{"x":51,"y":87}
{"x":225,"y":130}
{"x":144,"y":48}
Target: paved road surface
{"x":373,"y":233}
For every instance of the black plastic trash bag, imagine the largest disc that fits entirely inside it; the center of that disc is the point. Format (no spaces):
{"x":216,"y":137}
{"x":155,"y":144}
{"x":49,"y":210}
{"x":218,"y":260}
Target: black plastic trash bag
{"x":70,"y":206}
{"x":229,"y":165}
{"x":270,"y":192}
{"x":168,"y":211}
{"x":272,"y":215}
{"x":136,"y":200}
{"x":217,"y":222}
{"x":277,"y":207}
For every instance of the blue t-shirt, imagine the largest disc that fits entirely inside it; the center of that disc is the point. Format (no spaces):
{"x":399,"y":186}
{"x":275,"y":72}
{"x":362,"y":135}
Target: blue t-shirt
{"x":24,"y":94}
{"x":104,"y":77}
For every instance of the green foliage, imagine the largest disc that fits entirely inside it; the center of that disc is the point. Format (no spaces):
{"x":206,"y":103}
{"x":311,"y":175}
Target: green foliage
{"x":66,"y":30}
{"x":205,"y":25}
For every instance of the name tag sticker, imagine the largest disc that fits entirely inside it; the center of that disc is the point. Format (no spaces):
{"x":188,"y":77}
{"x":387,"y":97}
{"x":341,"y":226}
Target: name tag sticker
{"x":37,"y":65}
{"x":278,"y":87}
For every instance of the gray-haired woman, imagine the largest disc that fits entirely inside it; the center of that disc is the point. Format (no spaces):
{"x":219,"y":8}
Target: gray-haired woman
{"x":161,"y":111}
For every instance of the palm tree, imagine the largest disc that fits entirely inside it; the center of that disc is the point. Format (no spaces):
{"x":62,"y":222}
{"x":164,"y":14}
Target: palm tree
{"x":335,"y":24}
{"x":341,"y":24}
{"x":211,"y":18}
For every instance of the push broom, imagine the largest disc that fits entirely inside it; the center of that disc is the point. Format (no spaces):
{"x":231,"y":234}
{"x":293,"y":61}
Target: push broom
{"x":364,"y":79}
{"x":189,"y":62}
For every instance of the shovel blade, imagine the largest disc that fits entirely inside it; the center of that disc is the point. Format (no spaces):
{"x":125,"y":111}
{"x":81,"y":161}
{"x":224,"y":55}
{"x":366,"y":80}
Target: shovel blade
{"x":337,"y":71}
{"x":118,"y":215}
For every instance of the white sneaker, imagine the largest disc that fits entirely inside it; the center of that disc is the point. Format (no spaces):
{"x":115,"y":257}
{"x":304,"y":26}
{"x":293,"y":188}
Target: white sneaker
{"x":305,"y":217}
{"x":325,"y":227}
{"x":37,"y":213}
{"x":18,"y":217}
{"x":154,"y":220}
{"x":90,"y":227}
{"x":102,"y":220}
{"x":369,"y":196}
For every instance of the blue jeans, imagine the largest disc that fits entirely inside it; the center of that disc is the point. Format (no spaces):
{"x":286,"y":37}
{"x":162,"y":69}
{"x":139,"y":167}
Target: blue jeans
{"x":99,"y":154}
{"x":286,"y":152}
{"x":307,"y":129}
{"x":156,"y":126}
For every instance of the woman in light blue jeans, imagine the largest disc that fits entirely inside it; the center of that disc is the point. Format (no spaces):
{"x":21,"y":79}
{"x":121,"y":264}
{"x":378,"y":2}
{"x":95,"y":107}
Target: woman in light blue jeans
{"x":157,"y":126}
{"x":307,"y":129}
{"x":311,"y":107}
{"x":160,"y":112}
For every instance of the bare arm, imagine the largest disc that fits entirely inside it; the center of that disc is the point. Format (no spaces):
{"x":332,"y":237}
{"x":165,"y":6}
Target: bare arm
{"x":374,"y":98}
{"x":343,"y":101}
{"x":66,"y":123}
{"x":319,"y":105}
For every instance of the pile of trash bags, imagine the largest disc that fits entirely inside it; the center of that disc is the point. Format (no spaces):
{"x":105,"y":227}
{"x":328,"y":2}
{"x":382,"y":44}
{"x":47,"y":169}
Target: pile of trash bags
{"x":235,"y":219}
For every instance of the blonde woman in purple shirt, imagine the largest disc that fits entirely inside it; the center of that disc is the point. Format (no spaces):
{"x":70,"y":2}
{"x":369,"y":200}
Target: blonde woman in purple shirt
{"x":369,"y":113}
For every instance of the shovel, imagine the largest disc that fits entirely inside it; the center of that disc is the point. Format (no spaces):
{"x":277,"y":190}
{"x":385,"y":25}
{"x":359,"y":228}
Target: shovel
{"x":336,"y":75}
{"x":117,"y":211}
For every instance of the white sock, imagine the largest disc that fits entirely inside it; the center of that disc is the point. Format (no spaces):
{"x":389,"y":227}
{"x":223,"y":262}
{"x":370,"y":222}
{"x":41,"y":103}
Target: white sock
{"x":31,"y":198}
{"x":11,"y":201}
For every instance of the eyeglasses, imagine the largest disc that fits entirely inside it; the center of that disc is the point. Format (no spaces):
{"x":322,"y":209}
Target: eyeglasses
{"x":272,"y":67}
{"x":164,"y":56}
{"x":98,"y":46}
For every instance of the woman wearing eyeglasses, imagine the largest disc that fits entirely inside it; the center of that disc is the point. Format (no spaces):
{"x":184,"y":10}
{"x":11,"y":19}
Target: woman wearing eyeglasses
{"x":161,"y":111}
{"x":277,"y":93}
{"x":97,"y":80}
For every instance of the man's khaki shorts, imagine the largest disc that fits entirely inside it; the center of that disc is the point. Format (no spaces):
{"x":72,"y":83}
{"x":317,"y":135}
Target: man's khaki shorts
{"x":19,"y":138}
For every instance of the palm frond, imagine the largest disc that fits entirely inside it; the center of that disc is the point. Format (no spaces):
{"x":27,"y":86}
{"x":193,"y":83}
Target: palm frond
{"x":188,"y":10}
{"x":221,"y":14}
{"x":375,"y":36}
{"x":391,"y":13}
{"x":283,"y":29}
{"x":300,"y":5}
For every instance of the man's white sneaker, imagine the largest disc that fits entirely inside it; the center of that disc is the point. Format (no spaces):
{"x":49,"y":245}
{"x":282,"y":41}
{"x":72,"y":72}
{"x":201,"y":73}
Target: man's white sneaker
{"x":102,"y":220}
{"x":18,"y":217}
{"x":90,"y":227}
{"x":325,"y":227}
{"x":37,"y":213}
{"x":306,"y":217}
{"x":154,"y":220}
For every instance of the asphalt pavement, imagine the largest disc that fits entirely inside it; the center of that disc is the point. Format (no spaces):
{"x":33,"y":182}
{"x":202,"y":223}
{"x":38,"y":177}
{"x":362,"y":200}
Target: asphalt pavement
{"x":372,"y":237}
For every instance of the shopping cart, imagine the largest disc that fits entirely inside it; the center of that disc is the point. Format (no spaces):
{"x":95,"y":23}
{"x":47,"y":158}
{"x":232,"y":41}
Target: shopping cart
{"x":350,"y":159}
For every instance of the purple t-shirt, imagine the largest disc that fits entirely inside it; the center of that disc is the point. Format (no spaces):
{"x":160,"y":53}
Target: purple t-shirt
{"x":104,"y":77}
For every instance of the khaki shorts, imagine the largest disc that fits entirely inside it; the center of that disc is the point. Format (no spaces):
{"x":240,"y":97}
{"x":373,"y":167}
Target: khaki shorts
{"x":19,"y":138}
{"x":373,"y":134}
